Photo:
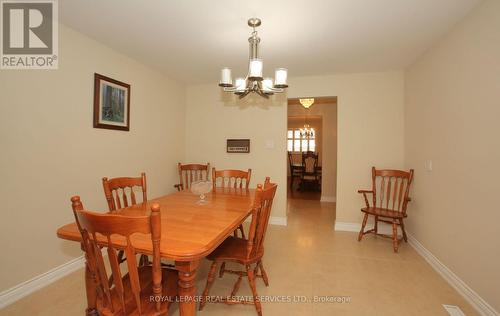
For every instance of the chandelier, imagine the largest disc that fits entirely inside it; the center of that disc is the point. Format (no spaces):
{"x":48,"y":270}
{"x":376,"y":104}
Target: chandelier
{"x":254,"y":81}
{"x":307,"y":131}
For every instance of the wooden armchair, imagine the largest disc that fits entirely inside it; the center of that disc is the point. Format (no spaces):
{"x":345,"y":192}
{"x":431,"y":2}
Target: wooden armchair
{"x":310,"y":174}
{"x":128,"y":294}
{"x":246,"y":252}
{"x":235,"y":179}
{"x":191,"y":172}
{"x":393,"y":200}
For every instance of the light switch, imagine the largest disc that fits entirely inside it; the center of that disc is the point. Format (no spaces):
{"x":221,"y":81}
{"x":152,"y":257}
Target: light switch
{"x":428,"y":165}
{"x":269,"y":144}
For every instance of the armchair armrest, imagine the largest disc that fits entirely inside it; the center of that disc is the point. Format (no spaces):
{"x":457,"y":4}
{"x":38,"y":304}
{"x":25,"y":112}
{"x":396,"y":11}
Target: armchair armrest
{"x":364,"y":192}
{"x":179,"y":187}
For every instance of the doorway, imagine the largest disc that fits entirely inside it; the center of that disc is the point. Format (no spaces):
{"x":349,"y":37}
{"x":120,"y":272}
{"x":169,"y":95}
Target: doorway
{"x":312,"y":152}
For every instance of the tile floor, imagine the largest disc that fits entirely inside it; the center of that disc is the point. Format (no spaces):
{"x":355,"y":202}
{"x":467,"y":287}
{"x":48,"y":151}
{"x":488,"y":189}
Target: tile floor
{"x":304,"y":259}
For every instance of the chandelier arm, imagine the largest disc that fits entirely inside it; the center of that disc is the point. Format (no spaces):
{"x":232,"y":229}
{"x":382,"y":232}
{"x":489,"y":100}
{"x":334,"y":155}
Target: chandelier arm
{"x":262,"y":94}
{"x":229,"y":89}
{"x":244,"y":94}
{"x":277,"y":90}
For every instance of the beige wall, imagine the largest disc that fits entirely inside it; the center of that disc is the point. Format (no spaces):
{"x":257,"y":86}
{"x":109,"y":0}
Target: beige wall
{"x":452,"y":118}
{"x":50,"y":150}
{"x":213,"y":116}
{"x":370,"y":128}
{"x":328,"y":145}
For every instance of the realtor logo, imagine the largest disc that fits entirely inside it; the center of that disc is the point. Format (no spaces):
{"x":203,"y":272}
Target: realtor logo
{"x":29,"y":34}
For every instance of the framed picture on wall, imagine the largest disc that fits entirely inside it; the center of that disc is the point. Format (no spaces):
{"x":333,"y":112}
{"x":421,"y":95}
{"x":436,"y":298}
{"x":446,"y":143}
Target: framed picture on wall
{"x":111,"y":103}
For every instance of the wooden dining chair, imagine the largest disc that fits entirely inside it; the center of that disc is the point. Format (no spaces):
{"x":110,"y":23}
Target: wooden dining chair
{"x":190,"y":173}
{"x":389,"y":203}
{"x":295,"y":170}
{"x":119,"y":193}
{"x":235,"y":179}
{"x":143,"y":290}
{"x":246,"y":252}
{"x":310,"y":174}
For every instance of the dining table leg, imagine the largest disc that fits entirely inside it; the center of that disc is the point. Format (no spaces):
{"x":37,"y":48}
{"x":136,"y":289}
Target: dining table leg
{"x":187,"y":287}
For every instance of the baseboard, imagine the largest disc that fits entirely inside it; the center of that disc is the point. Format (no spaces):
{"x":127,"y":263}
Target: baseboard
{"x":21,"y":290}
{"x":273,"y":220}
{"x":460,"y":286}
{"x":476,"y":301}
{"x":278,"y":220}
{"x":328,"y":199}
{"x":383,"y":228}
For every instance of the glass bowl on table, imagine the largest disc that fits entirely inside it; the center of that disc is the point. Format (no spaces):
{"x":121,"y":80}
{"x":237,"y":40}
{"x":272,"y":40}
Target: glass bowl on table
{"x":201,"y":188}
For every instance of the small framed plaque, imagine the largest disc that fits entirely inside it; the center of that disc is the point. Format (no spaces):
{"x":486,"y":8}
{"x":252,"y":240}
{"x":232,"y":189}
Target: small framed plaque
{"x":238,"y":145}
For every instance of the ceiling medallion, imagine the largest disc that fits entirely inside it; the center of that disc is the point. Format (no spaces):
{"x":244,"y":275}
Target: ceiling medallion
{"x":254,"y":81}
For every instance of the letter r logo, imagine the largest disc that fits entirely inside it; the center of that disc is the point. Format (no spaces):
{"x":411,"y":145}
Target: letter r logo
{"x":27,"y":27}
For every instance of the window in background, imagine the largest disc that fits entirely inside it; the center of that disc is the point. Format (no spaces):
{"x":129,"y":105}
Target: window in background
{"x":296,"y":143}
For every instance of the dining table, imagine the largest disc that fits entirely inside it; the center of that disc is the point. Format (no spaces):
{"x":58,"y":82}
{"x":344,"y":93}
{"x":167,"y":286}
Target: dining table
{"x":190,"y":231}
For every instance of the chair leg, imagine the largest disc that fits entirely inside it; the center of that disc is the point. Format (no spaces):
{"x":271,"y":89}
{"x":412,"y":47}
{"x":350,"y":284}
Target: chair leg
{"x":222,"y":269}
{"x":263,"y":273}
{"x":361,"y":232}
{"x":143,"y":261}
{"x":395,"y":235}
{"x":242,"y":231}
{"x":210,"y":281}
{"x":376,"y":224}
{"x":236,"y":286}
{"x":405,"y":238}
{"x":251,"y":281}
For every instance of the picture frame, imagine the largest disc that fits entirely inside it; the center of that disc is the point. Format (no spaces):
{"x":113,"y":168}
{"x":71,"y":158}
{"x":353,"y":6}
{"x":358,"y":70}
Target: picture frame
{"x":111,"y":103}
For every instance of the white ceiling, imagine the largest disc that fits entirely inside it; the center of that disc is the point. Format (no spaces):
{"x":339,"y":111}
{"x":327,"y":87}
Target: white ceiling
{"x":190,"y":40}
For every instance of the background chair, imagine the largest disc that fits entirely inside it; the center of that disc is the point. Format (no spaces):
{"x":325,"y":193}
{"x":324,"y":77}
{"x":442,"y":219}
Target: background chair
{"x":310,"y":174}
{"x":245,"y":252}
{"x":295,"y":170}
{"x":231,"y":178}
{"x":129,"y":294}
{"x":392,"y":203}
{"x":115,"y":191}
{"x":235,"y":179}
{"x":191,"y":172}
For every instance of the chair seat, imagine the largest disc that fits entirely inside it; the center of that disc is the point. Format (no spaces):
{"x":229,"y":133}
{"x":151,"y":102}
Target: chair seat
{"x":383,"y":212}
{"x":169,"y":289}
{"x":234,"y":249}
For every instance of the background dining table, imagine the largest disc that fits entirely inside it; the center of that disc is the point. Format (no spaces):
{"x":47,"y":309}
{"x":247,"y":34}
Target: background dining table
{"x":189,"y":232}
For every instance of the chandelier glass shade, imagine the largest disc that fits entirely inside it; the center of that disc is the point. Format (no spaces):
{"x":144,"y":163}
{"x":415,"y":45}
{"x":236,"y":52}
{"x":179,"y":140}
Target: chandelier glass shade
{"x":254,"y":81}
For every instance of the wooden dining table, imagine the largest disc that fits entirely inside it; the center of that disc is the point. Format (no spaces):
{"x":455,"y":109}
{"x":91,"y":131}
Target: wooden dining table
{"x":189,"y":232}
